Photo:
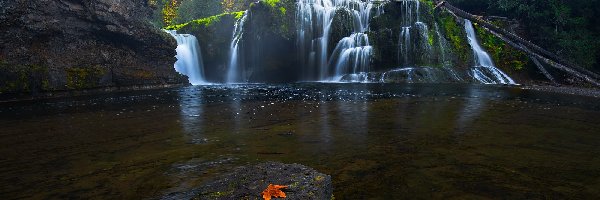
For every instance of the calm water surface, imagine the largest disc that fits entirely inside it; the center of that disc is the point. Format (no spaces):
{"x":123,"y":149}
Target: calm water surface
{"x":381,"y":141}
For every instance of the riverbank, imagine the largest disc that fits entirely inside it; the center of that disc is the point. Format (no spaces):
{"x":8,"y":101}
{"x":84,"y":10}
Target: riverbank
{"x":570,"y":90}
{"x":12,"y":97}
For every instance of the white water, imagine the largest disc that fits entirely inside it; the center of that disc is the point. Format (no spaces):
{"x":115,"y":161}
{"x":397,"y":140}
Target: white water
{"x":235,"y":73}
{"x":425,"y":46}
{"x":411,"y":21}
{"x":189,"y":57}
{"x":483,"y":62}
{"x":352,"y":54}
{"x":404,"y":46}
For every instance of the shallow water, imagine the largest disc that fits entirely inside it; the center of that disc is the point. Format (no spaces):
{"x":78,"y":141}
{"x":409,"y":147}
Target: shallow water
{"x":381,"y":141}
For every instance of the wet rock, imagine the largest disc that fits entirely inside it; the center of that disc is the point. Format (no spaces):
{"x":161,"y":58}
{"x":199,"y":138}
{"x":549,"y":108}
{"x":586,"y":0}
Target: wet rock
{"x":248,"y":182}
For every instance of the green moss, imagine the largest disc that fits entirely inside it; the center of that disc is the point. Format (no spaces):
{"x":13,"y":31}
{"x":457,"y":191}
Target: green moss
{"x":455,"y":34}
{"x":238,"y":15}
{"x":282,"y":10}
{"x":272,"y":3}
{"x":81,"y":78}
{"x":220,"y":194}
{"x":277,"y":15}
{"x":503,"y":54}
{"x":23,"y":78}
{"x":431,"y":39}
{"x":207,"y":21}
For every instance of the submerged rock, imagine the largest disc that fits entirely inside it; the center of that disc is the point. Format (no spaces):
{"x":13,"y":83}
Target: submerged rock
{"x":248,"y":182}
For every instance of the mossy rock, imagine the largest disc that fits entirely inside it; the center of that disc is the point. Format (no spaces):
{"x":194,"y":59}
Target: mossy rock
{"x":23,"y":78}
{"x":248,"y":182}
{"x":342,"y":25}
{"x":510,"y":60}
{"x":84,"y":77}
{"x":460,"y":52}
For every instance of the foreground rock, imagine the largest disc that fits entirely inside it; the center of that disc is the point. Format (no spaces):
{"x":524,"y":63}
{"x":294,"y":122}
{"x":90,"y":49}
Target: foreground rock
{"x":248,"y":183}
{"x":57,"y":45}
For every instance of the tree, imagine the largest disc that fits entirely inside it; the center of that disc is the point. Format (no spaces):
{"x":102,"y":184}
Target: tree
{"x":170,"y":11}
{"x":228,"y":5}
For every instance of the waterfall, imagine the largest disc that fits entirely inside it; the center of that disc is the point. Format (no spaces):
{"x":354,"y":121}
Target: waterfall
{"x":235,"y":73}
{"x":352,"y":54}
{"x":189,"y":57}
{"x":404,"y":46}
{"x":407,"y":48}
{"x":410,"y":12}
{"x":425,"y":46}
{"x":442,"y":46}
{"x":484,"y":67}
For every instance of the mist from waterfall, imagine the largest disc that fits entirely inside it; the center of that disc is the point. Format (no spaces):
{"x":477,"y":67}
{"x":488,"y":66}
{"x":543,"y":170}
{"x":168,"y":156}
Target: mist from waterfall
{"x":484,"y":70}
{"x":189,"y":57}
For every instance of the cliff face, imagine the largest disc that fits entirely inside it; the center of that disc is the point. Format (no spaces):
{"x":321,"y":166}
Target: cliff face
{"x":50,"y":45}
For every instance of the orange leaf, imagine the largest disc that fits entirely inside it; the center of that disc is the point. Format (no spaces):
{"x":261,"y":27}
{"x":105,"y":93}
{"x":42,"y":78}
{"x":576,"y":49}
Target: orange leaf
{"x":273,"y":191}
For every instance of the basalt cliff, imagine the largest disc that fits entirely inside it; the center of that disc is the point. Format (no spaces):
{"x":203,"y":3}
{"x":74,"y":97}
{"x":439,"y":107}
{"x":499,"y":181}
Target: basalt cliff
{"x":57,"y":45}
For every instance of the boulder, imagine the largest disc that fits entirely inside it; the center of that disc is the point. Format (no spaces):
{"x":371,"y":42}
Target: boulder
{"x":249,"y":182}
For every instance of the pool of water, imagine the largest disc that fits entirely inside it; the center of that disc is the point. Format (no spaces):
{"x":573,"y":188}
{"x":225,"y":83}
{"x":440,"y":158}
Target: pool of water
{"x":380,"y":141}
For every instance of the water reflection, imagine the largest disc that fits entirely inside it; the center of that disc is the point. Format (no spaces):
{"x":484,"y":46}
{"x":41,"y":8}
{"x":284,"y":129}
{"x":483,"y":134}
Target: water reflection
{"x":353,"y":113}
{"x":192,"y":113}
{"x":474,"y":105}
{"x":235,"y":93}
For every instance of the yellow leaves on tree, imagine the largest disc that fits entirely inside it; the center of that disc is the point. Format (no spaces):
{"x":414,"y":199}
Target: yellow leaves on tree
{"x":170,"y":11}
{"x":228,"y":5}
{"x":273,"y":191}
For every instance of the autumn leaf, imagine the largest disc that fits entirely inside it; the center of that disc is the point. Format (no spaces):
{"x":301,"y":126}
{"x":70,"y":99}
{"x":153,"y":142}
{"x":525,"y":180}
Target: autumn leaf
{"x":273,"y":191}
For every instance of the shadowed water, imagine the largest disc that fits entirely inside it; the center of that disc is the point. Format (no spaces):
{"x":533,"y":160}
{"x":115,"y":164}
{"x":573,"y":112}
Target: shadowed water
{"x":383,"y":141}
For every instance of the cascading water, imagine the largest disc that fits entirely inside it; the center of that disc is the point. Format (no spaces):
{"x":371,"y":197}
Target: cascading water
{"x":484,"y":67}
{"x":424,"y":39}
{"x":354,"y":54}
{"x":351,"y":55}
{"x":235,"y":73}
{"x":411,"y":21}
{"x":189,"y":57}
{"x":442,"y":46}
{"x":404,"y":46}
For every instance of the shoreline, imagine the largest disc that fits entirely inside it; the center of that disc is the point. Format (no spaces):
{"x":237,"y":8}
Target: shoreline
{"x":18,"y":97}
{"x":565,"y":90}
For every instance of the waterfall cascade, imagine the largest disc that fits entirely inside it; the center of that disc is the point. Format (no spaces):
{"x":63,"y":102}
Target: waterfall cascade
{"x":412,"y":26}
{"x":189,"y":57}
{"x":236,"y":72}
{"x":484,"y":70}
{"x":352,"y":54}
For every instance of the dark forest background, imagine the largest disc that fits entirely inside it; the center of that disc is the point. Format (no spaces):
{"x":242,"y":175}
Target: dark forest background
{"x":569,"y":28}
